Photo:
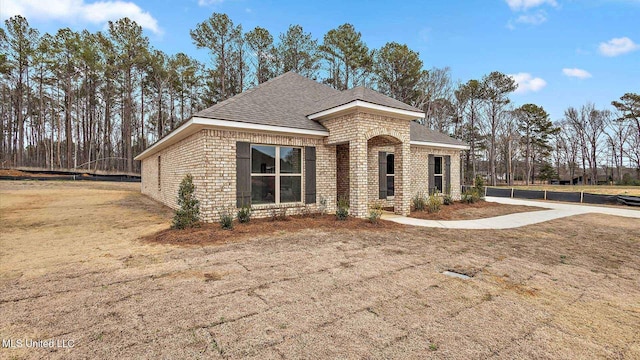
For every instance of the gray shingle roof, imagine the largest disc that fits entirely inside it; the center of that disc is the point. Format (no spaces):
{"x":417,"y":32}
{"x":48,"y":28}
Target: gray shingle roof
{"x":360,"y":93}
{"x":282,"y":101}
{"x":422,"y":133}
{"x":286,"y":101}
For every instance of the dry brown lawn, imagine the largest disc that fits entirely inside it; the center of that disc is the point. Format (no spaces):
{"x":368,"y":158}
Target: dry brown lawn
{"x":73,"y":268}
{"x":478,"y":210}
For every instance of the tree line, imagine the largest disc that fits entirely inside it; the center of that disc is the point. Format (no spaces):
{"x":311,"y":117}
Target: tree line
{"x":95,"y":100}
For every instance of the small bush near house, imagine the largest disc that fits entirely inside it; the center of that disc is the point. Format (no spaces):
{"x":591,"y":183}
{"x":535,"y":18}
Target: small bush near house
{"x":471,"y":196}
{"x":375,"y":213}
{"x":342,"y":213}
{"x":322,"y":209}
{"x":226,"y":220}
{"x":419,"y":202}
{"x":244,"y":214}
{"x":306,"y":211}
{"x":279,"y":214}
{"x":282,"y":216}
{"x":434,"y":203}
{"x":447,"y":200}
{"x":189,"y":213}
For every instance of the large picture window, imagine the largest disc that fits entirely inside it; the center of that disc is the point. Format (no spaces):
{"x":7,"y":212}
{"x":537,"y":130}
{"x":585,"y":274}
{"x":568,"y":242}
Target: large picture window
{"x":437,"y":173}
{"x":276,"y":174}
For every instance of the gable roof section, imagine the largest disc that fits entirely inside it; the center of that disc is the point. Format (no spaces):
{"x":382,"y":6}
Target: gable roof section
{"x":422,"y":135}
{"x":282,"y":101}
{"x":363,"y":94}
{"x":285,"y":104}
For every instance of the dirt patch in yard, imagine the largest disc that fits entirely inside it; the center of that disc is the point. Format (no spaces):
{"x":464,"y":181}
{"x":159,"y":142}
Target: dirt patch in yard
{"x":478,"y":210}
{"x":212,"y":233}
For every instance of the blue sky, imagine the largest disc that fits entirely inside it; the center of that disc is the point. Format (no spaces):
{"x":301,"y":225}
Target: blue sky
{"x":562,"y":52}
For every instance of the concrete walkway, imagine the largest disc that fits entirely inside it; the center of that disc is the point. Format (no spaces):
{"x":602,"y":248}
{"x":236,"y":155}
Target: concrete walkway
{"x":556,"y":211}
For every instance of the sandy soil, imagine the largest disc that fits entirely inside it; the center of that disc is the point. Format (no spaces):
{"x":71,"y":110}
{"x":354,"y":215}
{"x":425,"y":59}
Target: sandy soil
{"x":72,"y":270}
{"x":479,"y":210}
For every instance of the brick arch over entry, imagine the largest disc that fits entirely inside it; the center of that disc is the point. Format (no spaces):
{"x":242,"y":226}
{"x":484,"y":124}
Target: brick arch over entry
{"x":395,"y":135}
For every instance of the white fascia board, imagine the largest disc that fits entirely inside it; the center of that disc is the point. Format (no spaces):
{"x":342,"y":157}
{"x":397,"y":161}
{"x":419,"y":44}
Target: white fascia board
{"x":197,"y":123}
{"x":217,"y":123}
{"x":366,"y":105}
{"x":440,"y":145}
{"x":166,"y":140}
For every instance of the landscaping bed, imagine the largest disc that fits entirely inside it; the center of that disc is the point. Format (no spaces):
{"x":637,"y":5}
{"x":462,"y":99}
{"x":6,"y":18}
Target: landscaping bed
{"x":213,"y":233}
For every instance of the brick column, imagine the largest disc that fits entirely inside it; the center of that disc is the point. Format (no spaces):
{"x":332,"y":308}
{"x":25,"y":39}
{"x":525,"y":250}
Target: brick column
{"x":358,"y":178}
{"x":402,"y":199}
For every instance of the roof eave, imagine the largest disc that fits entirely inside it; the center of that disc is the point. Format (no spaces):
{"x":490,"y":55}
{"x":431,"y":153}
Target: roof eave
{"x":197,"y":123}
{"x":399,"y":113}
{"x":439,"y":145}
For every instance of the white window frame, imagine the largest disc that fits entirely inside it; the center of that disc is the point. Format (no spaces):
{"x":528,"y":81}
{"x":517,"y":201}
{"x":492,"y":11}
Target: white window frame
{"x":440,"y":175}
{"x":392,"y":175}
{"x":277,"y":174}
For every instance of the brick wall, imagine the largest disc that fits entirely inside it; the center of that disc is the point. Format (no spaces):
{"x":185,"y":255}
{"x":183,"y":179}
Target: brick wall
{"x":356,"y":129}
{"x":420,"y":169}
{"x":209,"y":156}
{"x":342,"y":180}
{"x":375,"y":145}
{"x":220,"y":164}
{"x":184,"y":157}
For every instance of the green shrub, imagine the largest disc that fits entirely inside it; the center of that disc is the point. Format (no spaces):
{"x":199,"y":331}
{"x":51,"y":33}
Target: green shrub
{"x":479,"y":186}
{"x":244,"y":214}
{"x":226,"y":220}
{"x":471,"y":196}
{"x":434,"y":203}
{"x":419,"y":201}
{"x":375,"y":213}
{"x":447,"y":200}
{"x":189,"y":213}
{"x":628,"y":181}
{"x":342,"y":213}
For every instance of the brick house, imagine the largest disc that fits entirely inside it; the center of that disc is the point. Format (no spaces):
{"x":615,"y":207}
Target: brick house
{"x":292,"y":142}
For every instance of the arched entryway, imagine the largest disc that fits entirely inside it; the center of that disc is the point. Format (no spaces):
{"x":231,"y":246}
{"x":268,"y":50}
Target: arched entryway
{"x":371,"y":171}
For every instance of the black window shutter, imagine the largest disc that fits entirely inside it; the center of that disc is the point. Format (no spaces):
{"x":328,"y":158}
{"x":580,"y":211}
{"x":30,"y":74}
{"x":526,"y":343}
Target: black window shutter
{"x":432,"y":169}
{"x":243,"y":174}
{"x":447,"y":174}
{"x":309,"y":175}
{"x":382,"y":174}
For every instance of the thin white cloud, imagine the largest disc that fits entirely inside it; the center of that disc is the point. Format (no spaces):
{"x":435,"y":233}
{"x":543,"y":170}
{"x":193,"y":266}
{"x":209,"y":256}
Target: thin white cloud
{"x":521,"y":5}
{"x":577,"y":73}
{"x":527,"y":83}
{"x":618,"y":46}
{"x":209,"y":2}
{"x":79,"y":11}
{"x":532,"y":19}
